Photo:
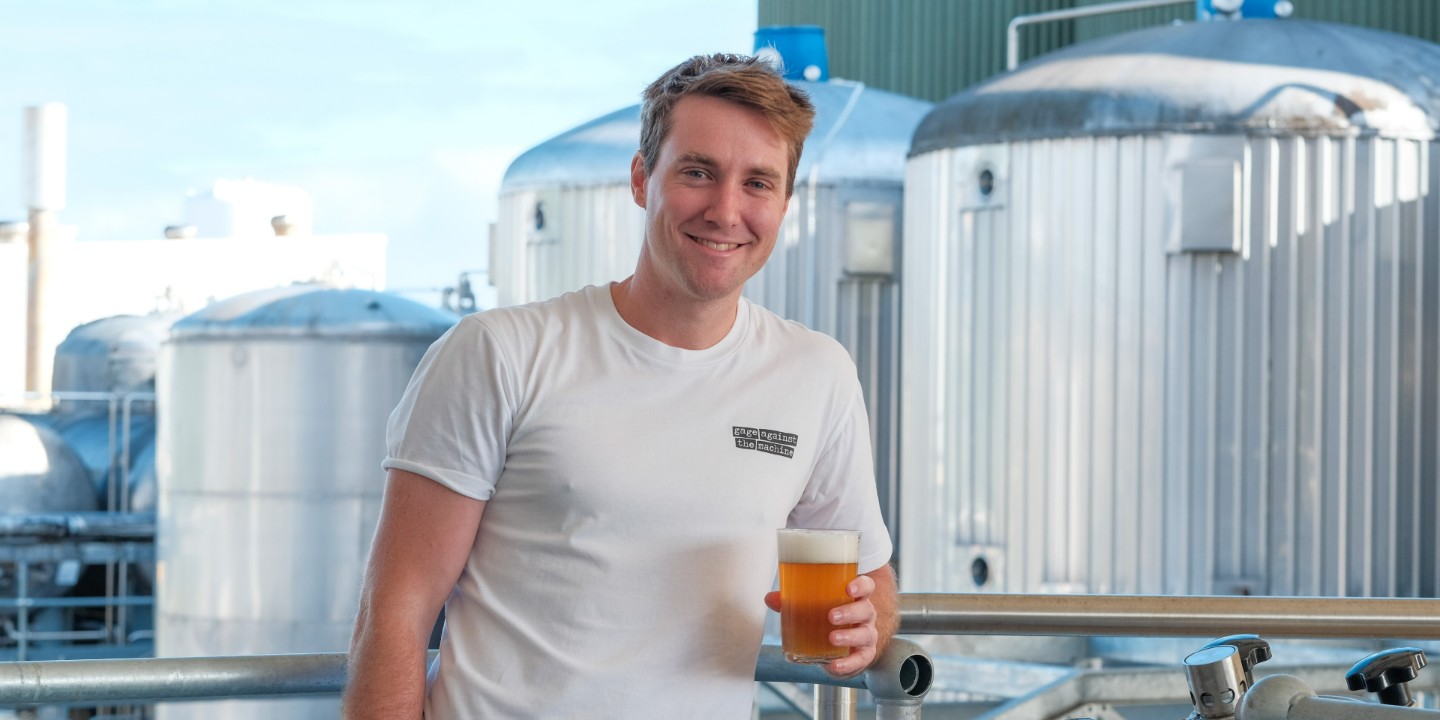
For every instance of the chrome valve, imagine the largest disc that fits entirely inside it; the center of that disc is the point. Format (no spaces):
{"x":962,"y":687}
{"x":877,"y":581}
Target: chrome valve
{"x":1252,"y":649}
{"x":1217,"y":681}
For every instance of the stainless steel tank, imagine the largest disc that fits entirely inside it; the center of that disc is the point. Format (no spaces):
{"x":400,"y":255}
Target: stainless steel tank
{"x":110,"y":355}
{"x":272,"y":410}
{"x":567,"y":219}
{"x":111,"y":362}
{"x":566,"y":216}
{"x":39,"y":473}
{"x":1170,"y":319}
{"x":111,"y":451}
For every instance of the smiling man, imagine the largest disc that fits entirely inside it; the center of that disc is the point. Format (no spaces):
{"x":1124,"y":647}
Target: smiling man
{"x":591,"y":485}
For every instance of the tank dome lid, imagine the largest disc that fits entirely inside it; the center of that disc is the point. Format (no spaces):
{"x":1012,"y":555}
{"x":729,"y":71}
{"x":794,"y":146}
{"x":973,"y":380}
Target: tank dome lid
{"x":874,"y":130}
{"x":113,"y":354}
{"x":121,"y":327}
{"x":1287,"y":77}
{"x":314,"y":311}
{"x":595,"y":153}
{"x":118,"y":333}
{"x":861,"y":133}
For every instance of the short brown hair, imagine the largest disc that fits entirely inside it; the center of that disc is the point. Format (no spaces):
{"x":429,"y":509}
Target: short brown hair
{"x":747,"y":81}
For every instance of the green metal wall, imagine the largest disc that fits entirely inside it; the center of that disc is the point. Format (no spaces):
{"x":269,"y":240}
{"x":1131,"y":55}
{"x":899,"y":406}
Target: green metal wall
{"x":932,"y":49}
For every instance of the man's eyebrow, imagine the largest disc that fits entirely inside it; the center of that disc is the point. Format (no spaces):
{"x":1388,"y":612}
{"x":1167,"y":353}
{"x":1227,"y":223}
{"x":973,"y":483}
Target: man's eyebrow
{"x":697,"y":158}
{"x":694,"y":158}
{"x":765,"y":172}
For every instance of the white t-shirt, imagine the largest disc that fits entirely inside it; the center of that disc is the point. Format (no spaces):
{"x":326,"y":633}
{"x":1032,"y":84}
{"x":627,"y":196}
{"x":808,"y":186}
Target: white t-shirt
{"x":633,"y":491}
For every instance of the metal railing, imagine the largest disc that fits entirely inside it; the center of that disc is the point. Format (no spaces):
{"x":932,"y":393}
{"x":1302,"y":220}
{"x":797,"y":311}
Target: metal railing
{"x":113,"y":537}
{"x":898,"y":682}
{"x":96,"y":538}
{"x":1169,"y":616}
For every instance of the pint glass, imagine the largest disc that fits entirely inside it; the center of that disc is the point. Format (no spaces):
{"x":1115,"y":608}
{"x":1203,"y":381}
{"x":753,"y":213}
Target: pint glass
{"x":815,"y":567}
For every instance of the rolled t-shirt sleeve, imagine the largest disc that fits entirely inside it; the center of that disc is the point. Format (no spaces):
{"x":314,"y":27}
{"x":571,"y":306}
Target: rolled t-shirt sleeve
{"x":453,"y":422}
{"x":841,"y":493}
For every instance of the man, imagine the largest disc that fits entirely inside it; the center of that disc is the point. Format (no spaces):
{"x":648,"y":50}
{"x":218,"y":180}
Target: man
{"x":591,"y":485}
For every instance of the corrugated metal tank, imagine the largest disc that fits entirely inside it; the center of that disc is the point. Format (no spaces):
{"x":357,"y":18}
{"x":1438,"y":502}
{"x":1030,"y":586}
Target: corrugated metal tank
{"x":272,"y":427}
{"x":1171,"y":323}
{"x":567,"y":219}
{"x":566,"y":216}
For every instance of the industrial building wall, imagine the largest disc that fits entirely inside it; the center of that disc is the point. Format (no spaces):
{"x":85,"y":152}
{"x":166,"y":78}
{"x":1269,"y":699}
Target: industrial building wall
{"x":1419,"y":18}
{"x":932,"y":49}
{"x":928,"y":49}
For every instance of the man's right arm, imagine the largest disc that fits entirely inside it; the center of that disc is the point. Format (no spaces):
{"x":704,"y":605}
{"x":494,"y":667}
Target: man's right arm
{"x":424,"y":536}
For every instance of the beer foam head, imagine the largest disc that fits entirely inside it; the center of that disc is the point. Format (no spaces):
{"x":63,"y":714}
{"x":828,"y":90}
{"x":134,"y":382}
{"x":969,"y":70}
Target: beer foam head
{"x":819,"y":546}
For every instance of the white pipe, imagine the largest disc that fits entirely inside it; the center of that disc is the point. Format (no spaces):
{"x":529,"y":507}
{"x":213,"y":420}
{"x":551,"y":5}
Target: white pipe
{"x":1012,"y":35}
{"x":38,"y":348}
{"x":44,"y":188}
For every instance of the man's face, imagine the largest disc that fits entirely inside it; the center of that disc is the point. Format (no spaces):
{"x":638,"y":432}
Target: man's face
{"x":715,"y":200}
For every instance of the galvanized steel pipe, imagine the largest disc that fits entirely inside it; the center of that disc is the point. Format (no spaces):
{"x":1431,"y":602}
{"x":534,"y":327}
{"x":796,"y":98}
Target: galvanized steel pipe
{"x":157,"y":679}
{"x":84,"y":525}
{"x":1162,"y":616}
{"x":898,"y":681}
{"x":833,"y":702}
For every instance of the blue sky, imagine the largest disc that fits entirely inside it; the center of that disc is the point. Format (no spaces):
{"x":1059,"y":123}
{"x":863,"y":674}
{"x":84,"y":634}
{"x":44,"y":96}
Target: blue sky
{"x":397,"y":117}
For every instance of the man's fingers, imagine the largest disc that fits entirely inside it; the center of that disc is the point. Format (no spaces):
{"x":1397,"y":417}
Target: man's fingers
{"x":852,"y":663}
{"x":861,"y":587}
{"x":856,"y":637}
{"x":772,"y":600}
{"x":856,"y":613}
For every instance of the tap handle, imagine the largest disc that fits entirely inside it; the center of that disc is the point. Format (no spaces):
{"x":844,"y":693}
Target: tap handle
{"x":1386,"y":672}
{"x":1252,"y":649}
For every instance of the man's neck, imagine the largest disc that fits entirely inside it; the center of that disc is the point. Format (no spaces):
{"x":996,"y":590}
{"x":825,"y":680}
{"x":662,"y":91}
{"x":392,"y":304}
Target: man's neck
{"x":691,"y":325}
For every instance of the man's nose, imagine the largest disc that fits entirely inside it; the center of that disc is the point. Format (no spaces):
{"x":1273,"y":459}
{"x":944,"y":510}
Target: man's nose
{"x":724,"y":208}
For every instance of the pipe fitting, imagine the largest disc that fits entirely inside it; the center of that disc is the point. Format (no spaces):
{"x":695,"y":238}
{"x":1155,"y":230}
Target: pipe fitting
{"x":898,"y":680}
{"x":902,"y":675}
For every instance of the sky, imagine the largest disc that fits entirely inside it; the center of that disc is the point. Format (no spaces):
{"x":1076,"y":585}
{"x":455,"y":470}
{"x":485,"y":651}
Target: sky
{"x":397,"y":117}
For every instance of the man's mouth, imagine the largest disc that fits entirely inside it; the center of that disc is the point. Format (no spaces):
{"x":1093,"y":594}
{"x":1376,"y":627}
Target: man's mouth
{"x":719,"y":247}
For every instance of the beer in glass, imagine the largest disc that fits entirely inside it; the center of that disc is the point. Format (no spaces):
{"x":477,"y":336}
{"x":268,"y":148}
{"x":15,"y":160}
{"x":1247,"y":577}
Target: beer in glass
{"x":815,"y":567}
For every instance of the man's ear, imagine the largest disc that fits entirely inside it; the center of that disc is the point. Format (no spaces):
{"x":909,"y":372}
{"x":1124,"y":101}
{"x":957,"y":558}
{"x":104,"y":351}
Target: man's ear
{"x":637,"y":179}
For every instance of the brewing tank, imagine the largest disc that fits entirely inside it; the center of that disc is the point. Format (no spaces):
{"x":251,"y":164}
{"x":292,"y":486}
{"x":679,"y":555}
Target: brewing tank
{"x":113,"y":450}
{"x":111,"y":355}
{"x":272,"y":409}
{"x":39,"y":473}
{"x":1169,"y":316}
{"x":112,"y":426}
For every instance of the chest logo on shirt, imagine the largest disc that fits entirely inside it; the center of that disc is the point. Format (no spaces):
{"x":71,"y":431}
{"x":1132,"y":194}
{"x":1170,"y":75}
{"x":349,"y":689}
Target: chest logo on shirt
{"x":766,"y":441}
